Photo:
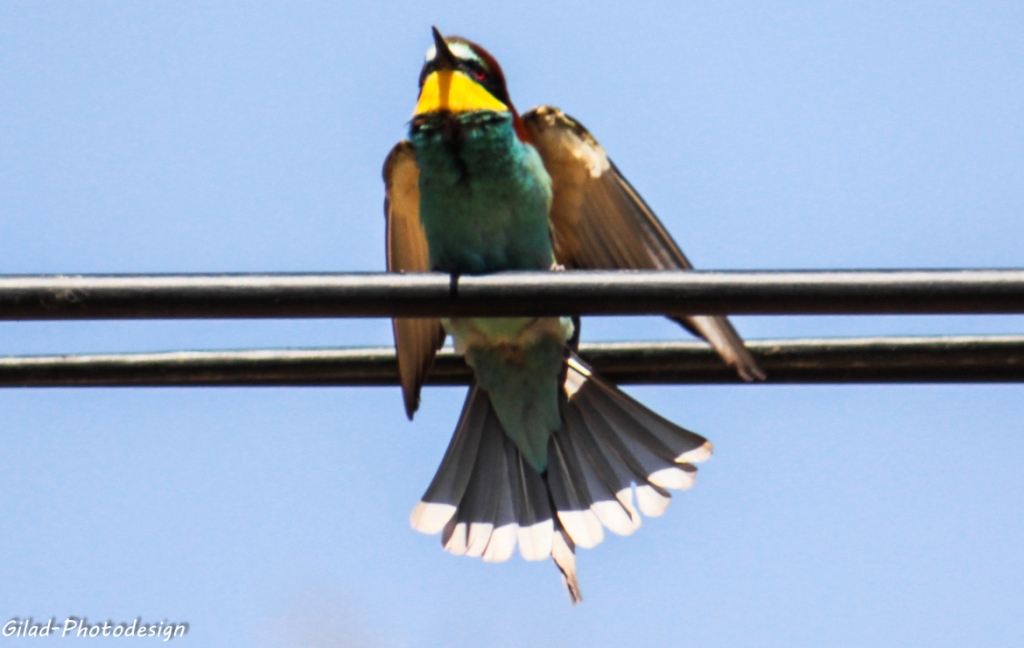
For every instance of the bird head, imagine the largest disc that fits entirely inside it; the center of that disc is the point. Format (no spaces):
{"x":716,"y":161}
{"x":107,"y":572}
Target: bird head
{"x":460,"y":76}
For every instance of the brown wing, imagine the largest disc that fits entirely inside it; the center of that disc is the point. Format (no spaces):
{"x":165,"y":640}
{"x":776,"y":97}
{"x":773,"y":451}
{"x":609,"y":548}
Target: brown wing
{"x":416,"y":340}
{"x":600,"y":222}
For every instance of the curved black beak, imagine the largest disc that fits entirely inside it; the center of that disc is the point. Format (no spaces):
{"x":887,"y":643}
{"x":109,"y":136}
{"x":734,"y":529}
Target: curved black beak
{"x":444,"y":60}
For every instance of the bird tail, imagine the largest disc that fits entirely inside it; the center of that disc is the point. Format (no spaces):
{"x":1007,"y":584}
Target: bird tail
{"x":486,"y":497}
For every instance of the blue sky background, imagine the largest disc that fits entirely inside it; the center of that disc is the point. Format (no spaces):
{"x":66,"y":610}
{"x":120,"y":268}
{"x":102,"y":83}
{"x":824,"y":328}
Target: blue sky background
{"x":194,"y":138}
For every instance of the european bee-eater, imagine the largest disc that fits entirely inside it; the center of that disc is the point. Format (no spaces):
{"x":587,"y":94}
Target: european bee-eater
{"x":546,"y":453}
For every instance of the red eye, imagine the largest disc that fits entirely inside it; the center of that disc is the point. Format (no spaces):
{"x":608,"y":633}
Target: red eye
{"x":479,"y":74}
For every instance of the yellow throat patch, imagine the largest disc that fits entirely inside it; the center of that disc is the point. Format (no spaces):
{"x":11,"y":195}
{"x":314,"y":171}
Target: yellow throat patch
{"x":453,"y":91}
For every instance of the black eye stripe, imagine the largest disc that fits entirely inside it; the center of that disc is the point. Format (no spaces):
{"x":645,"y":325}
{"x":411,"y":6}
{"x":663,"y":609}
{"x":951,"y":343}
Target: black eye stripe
{"x":473,"y":67}
{"x":470,"y":67}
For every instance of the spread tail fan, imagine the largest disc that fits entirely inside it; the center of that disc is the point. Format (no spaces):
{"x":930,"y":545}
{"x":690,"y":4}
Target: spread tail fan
{"x":486,"y":498}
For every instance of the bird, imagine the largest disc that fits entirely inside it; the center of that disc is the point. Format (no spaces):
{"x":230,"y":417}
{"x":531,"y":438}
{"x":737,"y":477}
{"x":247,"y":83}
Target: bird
{"x":546,"y":453}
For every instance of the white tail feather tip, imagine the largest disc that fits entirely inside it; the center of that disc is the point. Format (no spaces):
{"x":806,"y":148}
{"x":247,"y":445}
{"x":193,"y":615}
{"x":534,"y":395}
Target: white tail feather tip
{"x":697,"y":455}
{"x":583,"y":527}
{"x":430,"y":517}
{"x":502,"y":544}
{"x":456,"y":543}
{"x":675,"y":478}
{"x":535,"y":540}
{"x":479,"y":535}
{"x":652,"y":503}
{"x":613,"y":515}
{"x":625,"y":497}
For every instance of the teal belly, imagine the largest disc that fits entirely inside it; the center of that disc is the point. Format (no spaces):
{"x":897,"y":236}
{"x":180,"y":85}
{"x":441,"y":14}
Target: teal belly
{"x":484,"y":195}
